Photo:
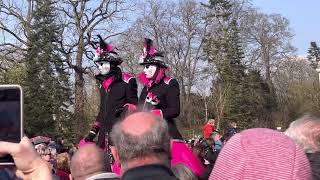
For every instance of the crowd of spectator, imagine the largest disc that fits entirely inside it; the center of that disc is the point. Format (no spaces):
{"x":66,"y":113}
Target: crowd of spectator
{"x":143,"y":149}
{"x":56,"y":153}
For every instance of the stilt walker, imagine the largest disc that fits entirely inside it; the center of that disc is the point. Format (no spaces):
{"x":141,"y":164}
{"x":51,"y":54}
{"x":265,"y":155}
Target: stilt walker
{"x":161,"y":93}
{"x":118,"y":92}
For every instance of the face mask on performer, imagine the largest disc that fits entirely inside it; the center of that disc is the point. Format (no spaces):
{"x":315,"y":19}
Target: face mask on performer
{"x":149,"y":70}
{"x":104,"y":67}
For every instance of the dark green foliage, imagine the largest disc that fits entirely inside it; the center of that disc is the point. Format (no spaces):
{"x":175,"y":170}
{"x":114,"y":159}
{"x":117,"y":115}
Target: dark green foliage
{"x":246,"y":97}
{"x":314,"y":54}
{"x":221,"y":9}
{"x":47,"y":89}
{"x":262,"y":100}
{"x":14,"y":75}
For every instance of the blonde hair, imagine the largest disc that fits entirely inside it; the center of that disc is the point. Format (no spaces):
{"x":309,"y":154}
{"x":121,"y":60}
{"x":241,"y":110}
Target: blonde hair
{"x":63,"y":162}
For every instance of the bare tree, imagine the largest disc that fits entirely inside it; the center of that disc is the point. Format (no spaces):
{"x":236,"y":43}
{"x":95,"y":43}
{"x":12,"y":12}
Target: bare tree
{"x":130,"y":47}
{"x":297,"y":89}
{"x":81,"y":20}
{"x":178,"y":30}
{"x":15,"y":19}
{"x":267,"y":38}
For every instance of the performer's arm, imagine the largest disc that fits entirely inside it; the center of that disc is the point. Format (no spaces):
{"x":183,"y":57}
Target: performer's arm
{"x":173,"y":101}
{"x":131,"y":92}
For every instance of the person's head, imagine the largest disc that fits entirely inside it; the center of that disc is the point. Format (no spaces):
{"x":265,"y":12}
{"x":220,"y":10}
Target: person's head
{"x":192,"y":143}
{"x":106,"y":58}
{"x":44,"y":153}
{"x":215,"y":136}
{"x":305,"y":131}
{"x":87,"y":161}
{"x":261,"y":154}
{"x":140,"y":139}
{"x":63,"y":162}
{"x":103,"y":66}
{"x":62,"y":141}
{"x":211,"y":121}
{"x":182,"y":172}
{"x":233,"y":124}
{"x":53,"y":151}
{"x":39,"y":147}
{"x":149,"y":70}
{"x":153,"y":61}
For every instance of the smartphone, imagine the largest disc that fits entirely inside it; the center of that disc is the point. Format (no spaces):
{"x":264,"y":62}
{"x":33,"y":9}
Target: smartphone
{"x":11,"y":113}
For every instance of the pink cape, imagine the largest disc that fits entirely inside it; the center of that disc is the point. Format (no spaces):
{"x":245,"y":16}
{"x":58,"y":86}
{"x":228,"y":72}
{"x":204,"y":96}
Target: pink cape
{"x":182,"y":154}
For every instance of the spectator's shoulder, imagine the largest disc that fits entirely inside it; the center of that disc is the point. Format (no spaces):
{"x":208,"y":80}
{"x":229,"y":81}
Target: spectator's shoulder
{"x":171,"y":81}
{"x":127,"y":77}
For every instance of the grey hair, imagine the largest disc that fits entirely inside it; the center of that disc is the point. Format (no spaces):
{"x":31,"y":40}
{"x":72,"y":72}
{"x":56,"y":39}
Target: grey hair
{"x":211,"y":121}
{"x":155,"y":141}
{"x":182,"y":172}
{"x":305,"y":131}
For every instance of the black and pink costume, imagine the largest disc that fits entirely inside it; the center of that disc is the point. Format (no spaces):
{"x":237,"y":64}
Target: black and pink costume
{"x":118,"y":93}
{"x":161,"y":93}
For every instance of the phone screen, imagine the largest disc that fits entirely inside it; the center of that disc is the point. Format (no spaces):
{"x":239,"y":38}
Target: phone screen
{"x":10,"y":117}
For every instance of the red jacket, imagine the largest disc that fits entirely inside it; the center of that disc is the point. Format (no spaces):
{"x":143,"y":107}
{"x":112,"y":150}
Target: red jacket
{"x":207,"y":130}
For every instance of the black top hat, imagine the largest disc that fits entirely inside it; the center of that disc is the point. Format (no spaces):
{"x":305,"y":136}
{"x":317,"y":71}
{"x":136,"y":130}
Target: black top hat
{"x":105,"y":52}
{"x":151,"y":56}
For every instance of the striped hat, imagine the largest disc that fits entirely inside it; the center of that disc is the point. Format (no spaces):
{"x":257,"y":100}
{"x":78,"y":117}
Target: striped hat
{"x":262,"y":154}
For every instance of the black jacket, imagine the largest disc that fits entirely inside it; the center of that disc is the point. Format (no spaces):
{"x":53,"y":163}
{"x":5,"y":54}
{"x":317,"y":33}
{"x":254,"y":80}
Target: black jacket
{"x":167,"y":93}
{"x":121,"y":90}
{"x":314,"y":159}
{"x":155,"y":172}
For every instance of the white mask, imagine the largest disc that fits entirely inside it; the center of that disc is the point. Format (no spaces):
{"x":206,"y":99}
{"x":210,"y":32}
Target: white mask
{"x":104,"y":67}
{"x":149,"y":70}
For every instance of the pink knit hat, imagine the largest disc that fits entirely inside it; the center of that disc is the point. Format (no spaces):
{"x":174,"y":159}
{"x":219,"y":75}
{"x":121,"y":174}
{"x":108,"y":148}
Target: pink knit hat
{"x":262,"y":154}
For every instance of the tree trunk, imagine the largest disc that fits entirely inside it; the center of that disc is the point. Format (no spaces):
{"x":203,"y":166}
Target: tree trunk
{"x":266,"y":60}
{"x":79,"y":92}
{"x":268,"y":71}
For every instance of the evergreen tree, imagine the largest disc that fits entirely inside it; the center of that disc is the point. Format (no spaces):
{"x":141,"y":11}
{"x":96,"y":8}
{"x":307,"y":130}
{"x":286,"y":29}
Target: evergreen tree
{"x":47,"y":90}
{"x":240,"y":86}
{"x":262,"y":100}
{"x":14,"y":75}
{"x":314,"y":54}
{"x":224,"y":51}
